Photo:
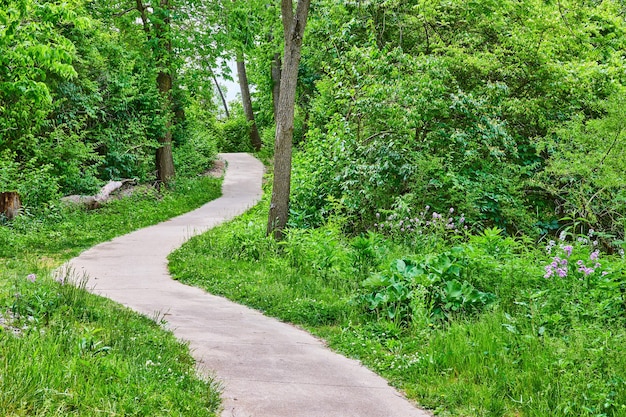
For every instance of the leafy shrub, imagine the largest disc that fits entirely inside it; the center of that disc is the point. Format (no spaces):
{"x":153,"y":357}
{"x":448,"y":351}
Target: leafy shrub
{"x":585,"y":169}
{"x":235,"y":133}
{"x":433,"y":283}
{"x":9,"y":172}
{"x":267,"y":139}
{"x":75,"y":161}
{"x":196,"y":154}
{"x":36,"y":184}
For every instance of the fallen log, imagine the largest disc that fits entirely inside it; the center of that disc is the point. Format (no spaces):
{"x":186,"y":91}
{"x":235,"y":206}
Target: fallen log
{"x":95,"y":201}
{"x":10,"y":204}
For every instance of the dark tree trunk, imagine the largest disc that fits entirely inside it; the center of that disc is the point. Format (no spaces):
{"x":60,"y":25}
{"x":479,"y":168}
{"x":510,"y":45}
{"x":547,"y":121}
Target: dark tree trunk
{"x":255,"y":139}
{"x":293,"y":32}
{"x":10,"y":204}
{"x":164,"y":157}
{"x":276,"y":75}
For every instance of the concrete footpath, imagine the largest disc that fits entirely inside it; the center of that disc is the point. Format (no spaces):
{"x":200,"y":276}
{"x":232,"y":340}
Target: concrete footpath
{"x":267,"y":368}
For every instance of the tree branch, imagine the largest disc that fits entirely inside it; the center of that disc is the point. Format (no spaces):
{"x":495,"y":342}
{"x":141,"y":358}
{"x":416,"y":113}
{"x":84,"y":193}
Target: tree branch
{"x":617,"y":135}
{"x":302,"y":12}
{"x":120,"y":14}
{"x":141,"y":8}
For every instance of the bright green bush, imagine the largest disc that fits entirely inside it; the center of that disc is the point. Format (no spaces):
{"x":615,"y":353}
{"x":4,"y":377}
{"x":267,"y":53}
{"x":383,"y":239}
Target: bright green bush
{"x":431,"y":287}
{"x":235,"y":135}
{"x":585,"y":169}
{"x":476,"y":109}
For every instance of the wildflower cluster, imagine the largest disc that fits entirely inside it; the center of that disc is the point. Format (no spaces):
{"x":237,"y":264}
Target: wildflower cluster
{"x":560,"y":265}
{"x":426,"y":221}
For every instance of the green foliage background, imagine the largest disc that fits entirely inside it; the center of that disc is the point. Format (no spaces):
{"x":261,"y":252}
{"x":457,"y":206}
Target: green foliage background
{"x":79,"y":103}
{"x":491,"y":107}
{"x":508,"y":116}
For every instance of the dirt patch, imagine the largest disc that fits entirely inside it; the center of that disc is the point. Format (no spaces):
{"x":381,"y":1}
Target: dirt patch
{"x":217,"y":170}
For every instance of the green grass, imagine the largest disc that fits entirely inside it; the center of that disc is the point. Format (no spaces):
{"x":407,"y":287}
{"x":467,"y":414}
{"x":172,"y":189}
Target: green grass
{"x":65,"y":352}
{"x":546,"y":347}
{"x":66,"y":231}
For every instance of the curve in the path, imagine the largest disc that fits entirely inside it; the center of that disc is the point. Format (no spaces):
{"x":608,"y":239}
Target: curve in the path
{"x":267,"y":368}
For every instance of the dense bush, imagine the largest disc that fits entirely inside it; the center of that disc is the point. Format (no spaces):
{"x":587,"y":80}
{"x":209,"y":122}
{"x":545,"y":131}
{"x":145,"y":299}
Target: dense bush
{"x":79,"y":103}
{"x":489,"y":107}
{"x":235,"y":132}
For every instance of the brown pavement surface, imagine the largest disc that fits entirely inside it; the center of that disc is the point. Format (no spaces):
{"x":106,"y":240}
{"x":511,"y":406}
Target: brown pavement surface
{"x":267,"y":368}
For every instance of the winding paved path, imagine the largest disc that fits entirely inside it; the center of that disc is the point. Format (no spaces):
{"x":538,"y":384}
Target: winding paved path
{"x":267,"y":368}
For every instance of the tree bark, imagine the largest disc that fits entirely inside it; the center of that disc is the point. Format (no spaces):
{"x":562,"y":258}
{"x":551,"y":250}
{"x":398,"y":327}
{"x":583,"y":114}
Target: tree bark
{"x":10,"y":204}
{"x":164,"y":156}
{"x":293,"y":32}
{"x":276,"y":76}
{"x":255,"y":139}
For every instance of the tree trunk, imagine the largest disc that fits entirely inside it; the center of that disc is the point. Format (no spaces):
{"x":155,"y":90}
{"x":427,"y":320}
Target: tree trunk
{"x":276,"y":76}
{"x":255,"y":139}
{"x":164,"y":156}
{"x":10,"y":204}
{"x":219,"y":90}
{"x":293,"y":32}
{"x":162,"y":51}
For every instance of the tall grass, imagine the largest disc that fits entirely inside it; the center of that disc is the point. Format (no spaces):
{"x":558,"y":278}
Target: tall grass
{"x":65,"y":352}
{"x":544,"y":347}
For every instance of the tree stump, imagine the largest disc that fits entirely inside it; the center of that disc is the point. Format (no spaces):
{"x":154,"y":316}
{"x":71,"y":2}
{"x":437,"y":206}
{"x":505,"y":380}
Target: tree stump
{"x":10,"y":204}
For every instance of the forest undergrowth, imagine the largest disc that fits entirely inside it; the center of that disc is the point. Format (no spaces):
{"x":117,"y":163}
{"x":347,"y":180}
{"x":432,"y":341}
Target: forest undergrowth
{"x":466,"y":323}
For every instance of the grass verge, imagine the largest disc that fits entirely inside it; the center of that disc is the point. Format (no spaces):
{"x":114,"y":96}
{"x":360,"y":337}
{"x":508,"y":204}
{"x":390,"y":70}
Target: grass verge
{"x":466,"y":326}
{"x":65,"y":352}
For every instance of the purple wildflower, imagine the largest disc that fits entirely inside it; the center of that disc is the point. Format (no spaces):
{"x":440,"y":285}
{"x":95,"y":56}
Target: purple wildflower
{"x":585,"y":270}
{"x":549,"y":271}
{"x":568,"y":250}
